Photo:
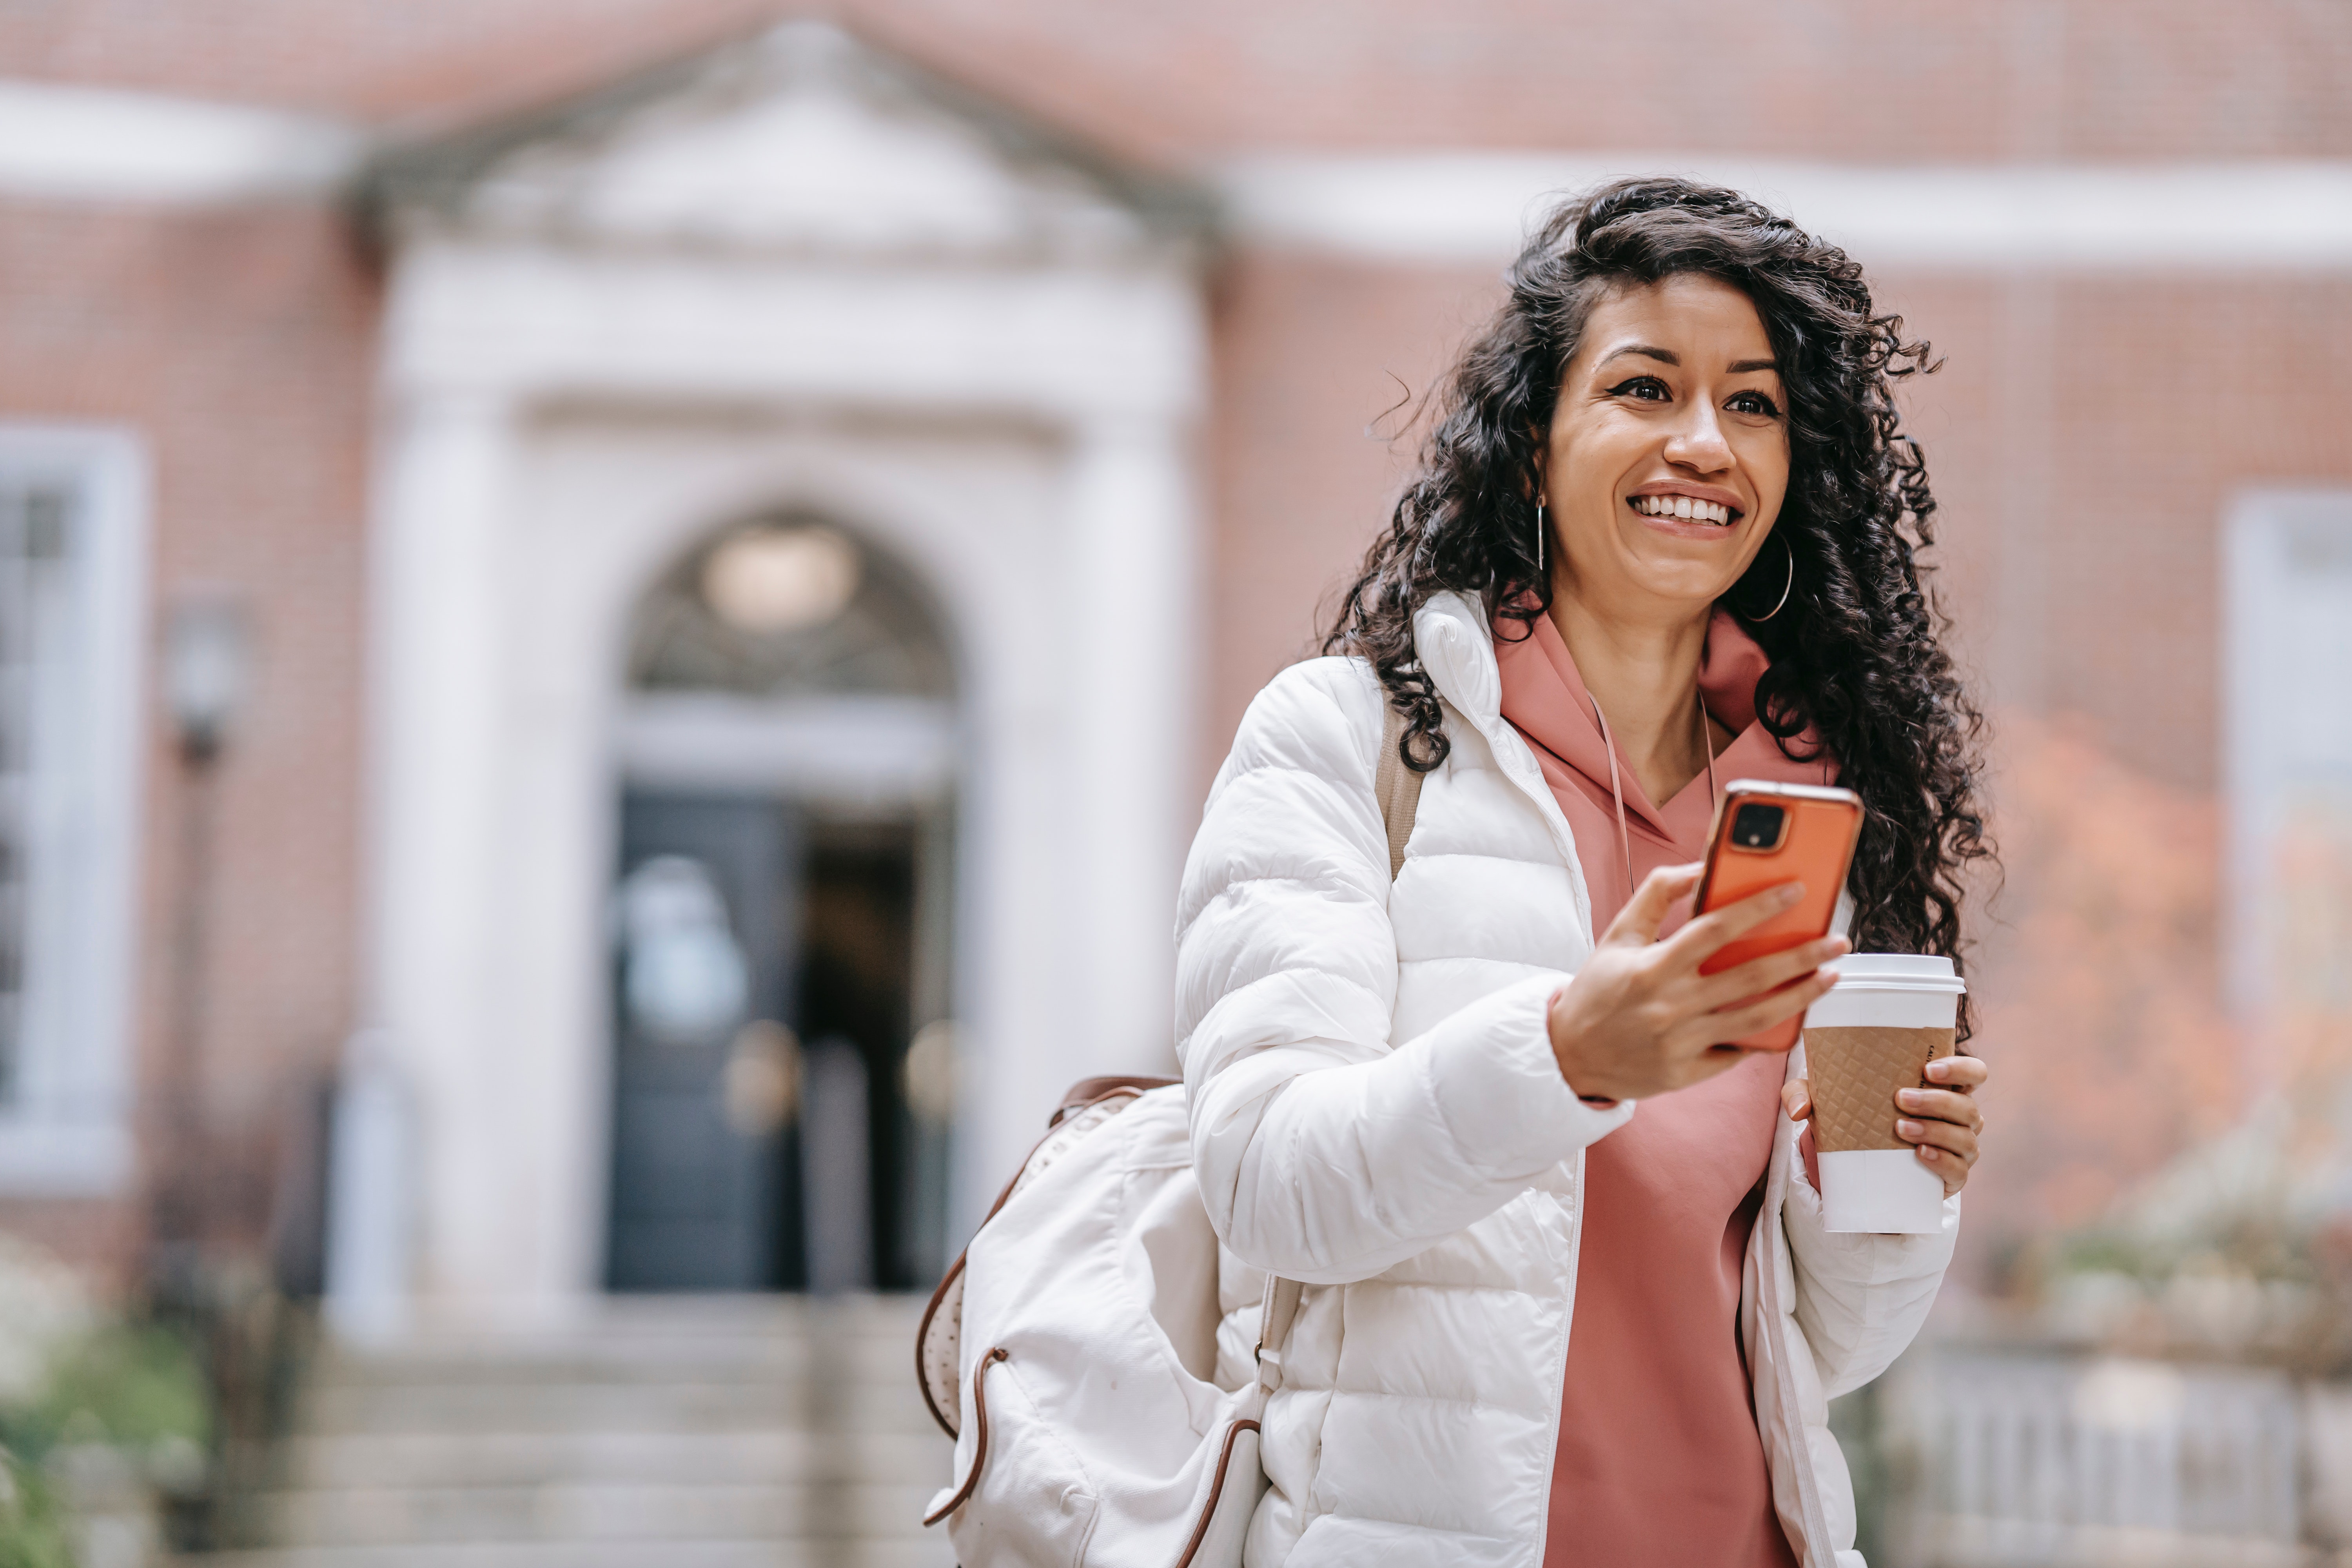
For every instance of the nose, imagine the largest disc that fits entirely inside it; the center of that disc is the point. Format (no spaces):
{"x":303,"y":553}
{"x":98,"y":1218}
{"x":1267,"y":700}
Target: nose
{"x":1697,"y":441}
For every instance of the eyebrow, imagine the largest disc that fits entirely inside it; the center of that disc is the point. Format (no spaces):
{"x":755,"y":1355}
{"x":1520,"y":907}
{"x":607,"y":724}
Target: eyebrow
{"x":1668,"y":356}
{"x":1664,"y":356}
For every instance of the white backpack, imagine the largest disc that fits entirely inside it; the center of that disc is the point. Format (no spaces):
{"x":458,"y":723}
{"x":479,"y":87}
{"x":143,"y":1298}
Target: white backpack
{"x":1072,"y":1352}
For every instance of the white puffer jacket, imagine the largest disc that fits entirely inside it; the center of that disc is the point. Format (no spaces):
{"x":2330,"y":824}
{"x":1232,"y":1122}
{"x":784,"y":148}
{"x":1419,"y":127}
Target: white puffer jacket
{"x":1376,"y":1112}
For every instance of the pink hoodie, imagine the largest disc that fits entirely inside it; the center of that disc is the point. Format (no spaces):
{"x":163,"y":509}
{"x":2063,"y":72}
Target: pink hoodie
{"x":1659,"y":1458}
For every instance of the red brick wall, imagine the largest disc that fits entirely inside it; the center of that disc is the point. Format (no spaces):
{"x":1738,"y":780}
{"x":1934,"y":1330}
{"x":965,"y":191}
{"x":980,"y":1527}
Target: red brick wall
{"x":1854,"y":80}
{"x":2084,"y":436}
{"x":1318,"y":368}
{"x":238,"y":346}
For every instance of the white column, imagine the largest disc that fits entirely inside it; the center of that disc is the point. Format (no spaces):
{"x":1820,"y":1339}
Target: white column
{"x":1131,"y":670}
{"x":1008,"y":933}
{"x":445,"y":477}
{"x":557,"y":831}
{"x":1074,"y":818}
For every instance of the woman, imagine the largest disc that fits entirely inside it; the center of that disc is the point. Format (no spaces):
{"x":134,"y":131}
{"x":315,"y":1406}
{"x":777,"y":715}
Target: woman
{"x":1663,"y":536}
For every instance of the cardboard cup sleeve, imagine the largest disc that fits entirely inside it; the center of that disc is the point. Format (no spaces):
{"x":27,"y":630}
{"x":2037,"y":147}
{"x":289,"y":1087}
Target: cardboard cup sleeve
{"x":1855,"y":1073}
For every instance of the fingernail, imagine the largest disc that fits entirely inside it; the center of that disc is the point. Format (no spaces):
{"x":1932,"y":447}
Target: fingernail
{"x":1925,"y":1153}
{"x":1909,"y":1129}
{"x":1792,"y":893}
{"x":1908,"y":1097}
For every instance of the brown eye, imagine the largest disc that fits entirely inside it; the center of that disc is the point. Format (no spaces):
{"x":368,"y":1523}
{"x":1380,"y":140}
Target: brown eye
{"x":1648,"y":388}
{"x":1756,"y":403}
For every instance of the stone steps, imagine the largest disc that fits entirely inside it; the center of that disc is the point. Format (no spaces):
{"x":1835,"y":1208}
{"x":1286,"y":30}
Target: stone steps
{"x":391,"y":1516}
{"x":685,"y":1410}
{"x":534,"y":1458}
{"x":694,"y":1433}
{"x":620,"y":1554}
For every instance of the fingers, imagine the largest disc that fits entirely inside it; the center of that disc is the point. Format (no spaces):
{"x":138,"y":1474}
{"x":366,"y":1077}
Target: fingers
{"x":1951,"y":1151}
{"x":1768,"y":973}
{"x":1944,"y":1125}
{"x":1940,"y":1105}
{"x":1958,"y":1141}
{"x":1963,"y":1073}
{"x":1697,"y":942}
{"x":1953,"y":1169}
{"x":1727,"y":1023}
{"x":1797,"y":1098}
{"x":1637,"y":924}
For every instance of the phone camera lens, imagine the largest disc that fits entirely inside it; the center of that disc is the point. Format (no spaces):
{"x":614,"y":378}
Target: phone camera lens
{"x":1756,"y":825}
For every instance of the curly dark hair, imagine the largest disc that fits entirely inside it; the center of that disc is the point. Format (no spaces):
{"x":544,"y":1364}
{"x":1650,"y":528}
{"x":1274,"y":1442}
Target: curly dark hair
{"x":1855,"y":652}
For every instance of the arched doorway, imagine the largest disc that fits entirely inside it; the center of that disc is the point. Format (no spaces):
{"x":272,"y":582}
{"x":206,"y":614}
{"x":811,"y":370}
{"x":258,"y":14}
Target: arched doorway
{"x":787,"y":760}
{"x":610,"y":328}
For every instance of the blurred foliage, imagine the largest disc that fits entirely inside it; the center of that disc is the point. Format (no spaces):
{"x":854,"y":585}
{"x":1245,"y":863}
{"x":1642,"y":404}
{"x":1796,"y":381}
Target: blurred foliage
{"x":2252,"y":1284}
{"x":130,"y":1395}
{"x":1855,"y":1422}
{"x":2100,"y":995}
{"x":132,"y":1385}
{"x":2160,"y":1178}
{"x":33,"y":1531}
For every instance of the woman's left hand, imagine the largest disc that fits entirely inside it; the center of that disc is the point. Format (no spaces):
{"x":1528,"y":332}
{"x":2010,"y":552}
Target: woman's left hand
{"x":1941,"y":1122}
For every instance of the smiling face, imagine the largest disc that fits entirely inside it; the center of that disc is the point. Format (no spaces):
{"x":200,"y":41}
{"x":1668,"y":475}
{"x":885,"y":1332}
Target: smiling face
{"x":1668,"y":455}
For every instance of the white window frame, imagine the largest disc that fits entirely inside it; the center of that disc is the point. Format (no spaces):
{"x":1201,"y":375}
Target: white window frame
{"x":2270,"y":746}
{"x":67,"y":1129}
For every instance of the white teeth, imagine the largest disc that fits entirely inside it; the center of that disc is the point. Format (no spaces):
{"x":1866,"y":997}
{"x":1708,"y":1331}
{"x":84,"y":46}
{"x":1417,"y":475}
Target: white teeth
{"x":1684,"y":507}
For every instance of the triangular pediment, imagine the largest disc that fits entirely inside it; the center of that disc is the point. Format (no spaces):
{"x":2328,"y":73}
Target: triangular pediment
{"x":803,"y":140}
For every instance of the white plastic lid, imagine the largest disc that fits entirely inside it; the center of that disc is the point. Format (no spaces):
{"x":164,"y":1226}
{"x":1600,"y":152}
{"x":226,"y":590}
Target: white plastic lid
{"x":1896,"y":971}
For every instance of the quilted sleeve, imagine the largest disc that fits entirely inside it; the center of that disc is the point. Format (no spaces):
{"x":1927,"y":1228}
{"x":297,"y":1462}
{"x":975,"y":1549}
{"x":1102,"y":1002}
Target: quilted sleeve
{"x":1325,"y":1152}
{"x":1860,"y":1299}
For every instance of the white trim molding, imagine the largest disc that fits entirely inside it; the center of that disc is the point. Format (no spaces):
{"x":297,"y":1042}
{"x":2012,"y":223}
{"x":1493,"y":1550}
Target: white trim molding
{"x":1445,"y":208}
{"x":66,"y":1131}
{"x":95,"y":144}
{"x":63,"y":143}
{"x":858,"y":753}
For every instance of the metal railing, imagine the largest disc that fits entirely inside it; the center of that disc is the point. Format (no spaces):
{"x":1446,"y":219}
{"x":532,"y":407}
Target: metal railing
{"x":2009,"y":1458}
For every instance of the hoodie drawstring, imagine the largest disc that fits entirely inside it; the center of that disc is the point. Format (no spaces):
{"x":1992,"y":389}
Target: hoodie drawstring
{"x":1617,"y":788}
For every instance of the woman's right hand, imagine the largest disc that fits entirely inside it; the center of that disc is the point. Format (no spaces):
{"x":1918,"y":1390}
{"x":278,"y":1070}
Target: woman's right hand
{"x":1640,"y":1019}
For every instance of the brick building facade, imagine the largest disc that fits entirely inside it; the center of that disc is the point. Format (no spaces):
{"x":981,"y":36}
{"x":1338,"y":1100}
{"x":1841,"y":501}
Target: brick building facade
{"x":2144,"y":322}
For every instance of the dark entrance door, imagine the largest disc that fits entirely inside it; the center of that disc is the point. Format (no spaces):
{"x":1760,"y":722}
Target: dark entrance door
{"x":855,"y":995}
{"x":785,"y":1081}
{"x":705,"y":1195}
{"x":763,"y":993}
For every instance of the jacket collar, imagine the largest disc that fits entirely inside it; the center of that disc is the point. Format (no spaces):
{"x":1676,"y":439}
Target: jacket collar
{"x":1456,"y":646}
{"x":1451,"y":638}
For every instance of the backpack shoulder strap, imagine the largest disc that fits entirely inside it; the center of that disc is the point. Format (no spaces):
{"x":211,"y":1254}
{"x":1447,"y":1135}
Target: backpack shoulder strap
{"x":1397,"y":786}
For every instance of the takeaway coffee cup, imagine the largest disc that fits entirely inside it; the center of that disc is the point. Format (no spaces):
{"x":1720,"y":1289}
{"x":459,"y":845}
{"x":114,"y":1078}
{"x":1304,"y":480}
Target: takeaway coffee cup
{"x":1889,"y":1016}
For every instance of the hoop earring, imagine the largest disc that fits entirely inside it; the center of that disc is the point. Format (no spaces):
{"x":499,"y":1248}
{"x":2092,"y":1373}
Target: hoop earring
{"x":1540,"y":531}
{"x":1785,"y":587}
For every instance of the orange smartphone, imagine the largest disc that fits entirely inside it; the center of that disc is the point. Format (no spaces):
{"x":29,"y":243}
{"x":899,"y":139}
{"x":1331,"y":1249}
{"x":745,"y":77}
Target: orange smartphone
{"x":1766,"y":835}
